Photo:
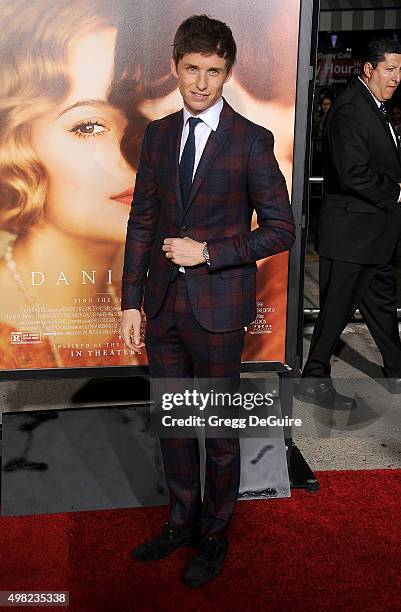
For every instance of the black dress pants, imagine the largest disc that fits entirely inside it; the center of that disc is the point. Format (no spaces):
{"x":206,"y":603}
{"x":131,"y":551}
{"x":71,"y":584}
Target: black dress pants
{"x":344,"y":287}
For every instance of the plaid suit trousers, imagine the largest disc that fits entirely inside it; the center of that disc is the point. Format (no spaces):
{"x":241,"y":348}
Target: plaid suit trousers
{"x":178,"y":347}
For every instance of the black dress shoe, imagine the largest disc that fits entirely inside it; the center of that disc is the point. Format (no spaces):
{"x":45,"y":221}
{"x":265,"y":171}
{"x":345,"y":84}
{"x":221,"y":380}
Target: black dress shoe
{"x":207,"y":562}
{"x":394,"y":385}
{"x":322,"y":393}
{"x":169,"y":540}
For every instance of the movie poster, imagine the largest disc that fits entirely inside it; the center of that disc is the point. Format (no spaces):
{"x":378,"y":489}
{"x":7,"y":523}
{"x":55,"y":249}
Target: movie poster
{"x":79,"y":82}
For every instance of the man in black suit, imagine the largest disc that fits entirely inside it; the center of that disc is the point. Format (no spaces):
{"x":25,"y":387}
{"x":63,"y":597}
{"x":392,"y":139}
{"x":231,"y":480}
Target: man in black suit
{"x":359,"y":225}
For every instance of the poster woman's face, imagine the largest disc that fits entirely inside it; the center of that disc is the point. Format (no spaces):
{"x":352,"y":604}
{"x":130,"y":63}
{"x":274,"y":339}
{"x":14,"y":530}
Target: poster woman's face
{"x":90,"y":183}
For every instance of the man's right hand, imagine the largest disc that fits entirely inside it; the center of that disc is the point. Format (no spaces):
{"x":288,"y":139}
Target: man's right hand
{"x":130,"y":329}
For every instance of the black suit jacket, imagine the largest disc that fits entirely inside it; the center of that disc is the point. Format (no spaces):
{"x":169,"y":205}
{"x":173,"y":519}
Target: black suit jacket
{"x":360,"y":219}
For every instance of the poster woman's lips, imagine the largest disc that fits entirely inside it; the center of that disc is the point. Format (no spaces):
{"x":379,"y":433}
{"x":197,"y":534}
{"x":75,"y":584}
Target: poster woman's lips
{"x":125,"y":197}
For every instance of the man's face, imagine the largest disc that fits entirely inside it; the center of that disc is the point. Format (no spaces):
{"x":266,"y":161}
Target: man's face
{"x":326,"y":105}
{"x":200,"y":80}
{"x":383,"y":80}
{"x":396,"y":114}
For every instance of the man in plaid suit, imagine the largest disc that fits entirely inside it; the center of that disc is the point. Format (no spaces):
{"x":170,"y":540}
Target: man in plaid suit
{"x":202,"y":173}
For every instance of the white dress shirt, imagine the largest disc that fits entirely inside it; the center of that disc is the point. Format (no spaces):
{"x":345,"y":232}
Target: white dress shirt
{"x":210,"y":120}
{"x":389,"y":124}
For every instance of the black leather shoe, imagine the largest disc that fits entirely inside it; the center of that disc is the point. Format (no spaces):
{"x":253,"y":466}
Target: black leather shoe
{"x":394,"y":385}
{"x":207,"y":562}
{"x":322,"y":393}
{"x":169,"y":540}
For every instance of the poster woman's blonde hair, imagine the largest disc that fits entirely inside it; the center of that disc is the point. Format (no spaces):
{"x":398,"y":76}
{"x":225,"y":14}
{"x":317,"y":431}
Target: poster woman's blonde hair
{"x":33,"y":79}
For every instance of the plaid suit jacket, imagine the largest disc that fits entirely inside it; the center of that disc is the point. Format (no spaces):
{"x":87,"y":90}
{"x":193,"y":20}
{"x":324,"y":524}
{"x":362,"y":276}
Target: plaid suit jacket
{"x":237,"y":174}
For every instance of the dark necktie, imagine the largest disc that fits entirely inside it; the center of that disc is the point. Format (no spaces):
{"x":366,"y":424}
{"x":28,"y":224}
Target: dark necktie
{"x":383,"y":110}
{"x":188,"y":160}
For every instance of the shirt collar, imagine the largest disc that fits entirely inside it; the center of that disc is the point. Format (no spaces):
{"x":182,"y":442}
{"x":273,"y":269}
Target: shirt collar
{"x":373,"y":96}
{"x":210,"y":116}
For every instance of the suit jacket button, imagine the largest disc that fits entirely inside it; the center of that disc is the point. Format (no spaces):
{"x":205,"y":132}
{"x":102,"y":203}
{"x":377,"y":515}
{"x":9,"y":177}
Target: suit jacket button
{"x":184,"y":228}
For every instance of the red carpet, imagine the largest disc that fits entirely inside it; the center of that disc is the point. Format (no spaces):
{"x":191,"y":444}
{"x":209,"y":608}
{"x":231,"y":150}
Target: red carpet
{"x":338,"y":549}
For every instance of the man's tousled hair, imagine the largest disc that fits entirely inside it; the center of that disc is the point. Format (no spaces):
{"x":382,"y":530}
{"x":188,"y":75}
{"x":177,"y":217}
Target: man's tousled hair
{"x":202,"y":34}
{"x":376,"y":49}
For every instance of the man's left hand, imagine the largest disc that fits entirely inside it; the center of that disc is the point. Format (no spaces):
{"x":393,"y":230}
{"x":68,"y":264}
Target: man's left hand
{"x":184,"y":251}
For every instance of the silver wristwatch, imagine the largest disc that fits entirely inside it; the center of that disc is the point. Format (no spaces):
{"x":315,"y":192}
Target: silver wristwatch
{"x":205,"y":254}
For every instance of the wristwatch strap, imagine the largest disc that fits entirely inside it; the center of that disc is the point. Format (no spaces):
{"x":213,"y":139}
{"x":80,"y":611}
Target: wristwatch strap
{"x":205,"y":253}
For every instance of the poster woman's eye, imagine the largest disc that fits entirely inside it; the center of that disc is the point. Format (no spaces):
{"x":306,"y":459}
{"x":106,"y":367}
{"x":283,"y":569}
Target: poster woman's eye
{"x":88,"y":129}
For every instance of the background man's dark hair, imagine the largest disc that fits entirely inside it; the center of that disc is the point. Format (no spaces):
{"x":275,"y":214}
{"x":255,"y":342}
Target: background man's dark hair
{"x":376,"y":49}
{"x":202,"y":34}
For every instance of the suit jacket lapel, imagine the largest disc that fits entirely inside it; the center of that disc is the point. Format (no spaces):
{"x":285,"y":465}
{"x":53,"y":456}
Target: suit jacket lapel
{"x":375,"y":108}
{"x":212,"y":148}
{"x":388,"y":130}
{"x":175,"y":142}
{"x":398,"y":138}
